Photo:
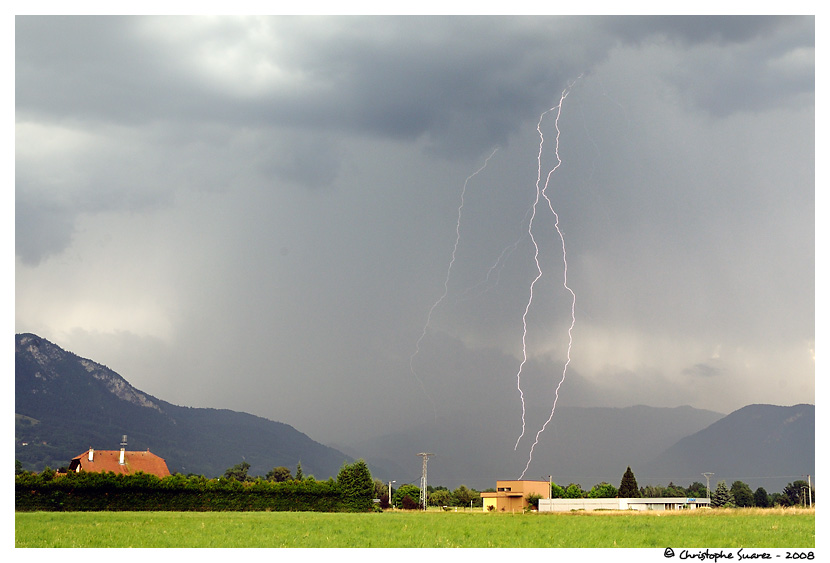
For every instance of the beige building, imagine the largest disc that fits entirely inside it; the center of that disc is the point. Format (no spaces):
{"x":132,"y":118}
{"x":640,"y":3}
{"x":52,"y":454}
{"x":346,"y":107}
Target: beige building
{"x":511,"y":496}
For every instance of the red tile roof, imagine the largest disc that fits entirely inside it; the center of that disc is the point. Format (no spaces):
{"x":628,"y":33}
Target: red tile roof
{"x":108,"y":460}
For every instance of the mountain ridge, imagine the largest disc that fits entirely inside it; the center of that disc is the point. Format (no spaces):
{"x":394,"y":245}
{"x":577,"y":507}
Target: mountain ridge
{"x":585,"y":445}
{"x":775,"y":445}
{"x":64,"y":404}
{"x":71,"y":403}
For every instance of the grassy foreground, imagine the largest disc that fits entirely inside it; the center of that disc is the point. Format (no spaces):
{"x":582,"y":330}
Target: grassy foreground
{"x":730,"y":528}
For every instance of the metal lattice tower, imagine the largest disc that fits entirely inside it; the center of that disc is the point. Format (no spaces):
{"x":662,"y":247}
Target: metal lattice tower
{"x":707,"y":475}
{"x":423,"y":499}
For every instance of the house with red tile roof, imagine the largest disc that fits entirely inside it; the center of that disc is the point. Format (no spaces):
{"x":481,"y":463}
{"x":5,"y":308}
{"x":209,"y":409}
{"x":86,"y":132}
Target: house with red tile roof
{"x":122,"y":462}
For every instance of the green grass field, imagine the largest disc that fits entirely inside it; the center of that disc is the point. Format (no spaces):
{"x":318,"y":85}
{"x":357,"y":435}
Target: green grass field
{"x":731,"y":528}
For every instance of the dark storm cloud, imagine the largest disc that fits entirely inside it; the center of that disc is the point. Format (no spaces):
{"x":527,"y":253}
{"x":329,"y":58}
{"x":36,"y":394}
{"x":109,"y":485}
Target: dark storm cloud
{"x":460,"y":83}
{"x":225,"y":208}
{"x":770,"y":58}
{"x":92,"y":68}
{"x":396,"y":77}
{"x":463,"y":86}
{"x":702,"y":28}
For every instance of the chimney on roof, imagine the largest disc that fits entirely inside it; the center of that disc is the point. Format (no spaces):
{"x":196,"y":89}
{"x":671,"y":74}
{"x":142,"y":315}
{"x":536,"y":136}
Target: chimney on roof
{"x":123,"y":445}
{"x":90,"y":453}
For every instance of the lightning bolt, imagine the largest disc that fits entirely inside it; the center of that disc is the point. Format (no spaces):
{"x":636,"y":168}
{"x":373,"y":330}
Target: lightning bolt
{"x":541,"y":191}
{"x":573,"y":308}
{"x":446,"y":280}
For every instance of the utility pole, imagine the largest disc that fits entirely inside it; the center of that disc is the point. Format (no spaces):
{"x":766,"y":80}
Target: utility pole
{"x":423,"y":499}
{"x":809,"y":491}
{"x":808,"y":501}
{"x":707,"y":474}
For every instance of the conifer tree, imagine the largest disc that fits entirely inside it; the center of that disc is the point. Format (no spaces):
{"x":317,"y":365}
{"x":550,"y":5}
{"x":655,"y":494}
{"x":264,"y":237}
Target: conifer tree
{"x":356,"y":484}
{"x":722,"y":498}
{"x":628,"y":485}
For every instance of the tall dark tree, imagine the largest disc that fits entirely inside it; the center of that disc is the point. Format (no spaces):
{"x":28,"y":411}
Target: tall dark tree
{"x":762,"y":498}
{"x":628,"y":485}
{"x":357,"y":485}
{"x":742,"y":494}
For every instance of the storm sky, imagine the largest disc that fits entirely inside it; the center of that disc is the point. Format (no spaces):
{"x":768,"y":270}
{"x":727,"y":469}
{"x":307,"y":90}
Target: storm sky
{"x":292,"y":216}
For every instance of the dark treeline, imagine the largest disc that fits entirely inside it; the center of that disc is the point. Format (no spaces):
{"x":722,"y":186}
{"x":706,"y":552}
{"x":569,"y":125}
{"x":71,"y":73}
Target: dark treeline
{"x":740,"y":494}
{"x":352,"y":491}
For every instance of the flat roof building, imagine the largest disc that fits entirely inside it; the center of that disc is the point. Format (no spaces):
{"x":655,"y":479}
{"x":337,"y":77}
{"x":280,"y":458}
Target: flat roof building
{"x":511,"y":496}
{"x":662,"y":503}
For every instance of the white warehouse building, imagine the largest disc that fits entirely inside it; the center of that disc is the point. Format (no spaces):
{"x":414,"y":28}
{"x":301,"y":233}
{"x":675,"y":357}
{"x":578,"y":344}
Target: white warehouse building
{"x":665,"y":503}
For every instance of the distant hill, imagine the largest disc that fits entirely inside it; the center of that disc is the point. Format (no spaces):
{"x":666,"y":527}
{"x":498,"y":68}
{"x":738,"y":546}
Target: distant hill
{"x":763,"y":445}
{"x":64,"y":404}
{"x":581,"y":445}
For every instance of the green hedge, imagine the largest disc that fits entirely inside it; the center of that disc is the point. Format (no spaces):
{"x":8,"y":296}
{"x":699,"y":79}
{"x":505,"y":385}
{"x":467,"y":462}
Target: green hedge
{"x":84,"y":491}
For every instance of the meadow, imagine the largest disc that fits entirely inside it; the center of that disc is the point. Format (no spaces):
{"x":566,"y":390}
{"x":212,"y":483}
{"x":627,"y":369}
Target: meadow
{"x":723,"y":528}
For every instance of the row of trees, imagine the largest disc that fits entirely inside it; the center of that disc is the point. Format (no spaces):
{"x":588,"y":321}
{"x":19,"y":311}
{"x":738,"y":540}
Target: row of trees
{"x":407,"y":496}
{"x":739,"y":494}
{"x":239,"y":472}
{"x":356,"y":481}
{"x":797,"y":493}
{"x":352,"y":491}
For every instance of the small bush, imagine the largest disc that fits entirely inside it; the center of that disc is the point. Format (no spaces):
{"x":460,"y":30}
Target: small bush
{"x":408,"y":504}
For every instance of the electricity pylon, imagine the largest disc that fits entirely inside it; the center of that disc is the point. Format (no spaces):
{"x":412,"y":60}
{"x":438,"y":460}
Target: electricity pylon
{"x":423,"y":499}
{"x":707,"y":475}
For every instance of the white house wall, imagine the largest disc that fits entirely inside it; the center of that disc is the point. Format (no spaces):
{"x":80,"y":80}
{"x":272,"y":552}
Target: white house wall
{"x":567,"y":504}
